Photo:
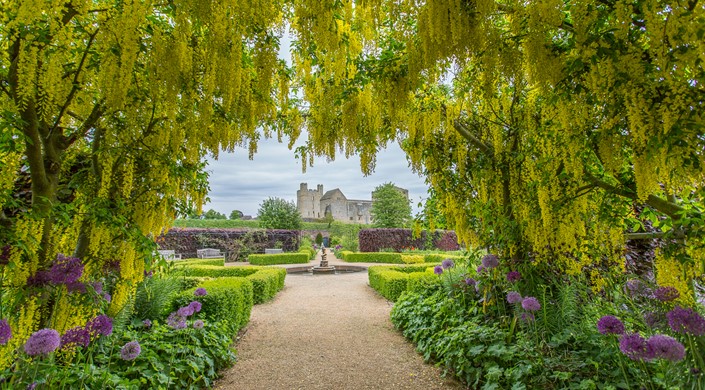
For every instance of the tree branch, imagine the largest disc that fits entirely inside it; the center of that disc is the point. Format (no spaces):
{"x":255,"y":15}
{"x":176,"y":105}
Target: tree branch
{"x":467,"y":134}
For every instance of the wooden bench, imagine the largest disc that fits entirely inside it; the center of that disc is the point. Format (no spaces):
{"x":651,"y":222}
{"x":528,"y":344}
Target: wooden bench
{"x":273,"y":251}
{"x":169,"y":254}
{"x":209,"y":253}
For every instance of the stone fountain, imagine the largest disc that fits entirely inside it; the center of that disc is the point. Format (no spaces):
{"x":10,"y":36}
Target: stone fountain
{"x":323,"y":268}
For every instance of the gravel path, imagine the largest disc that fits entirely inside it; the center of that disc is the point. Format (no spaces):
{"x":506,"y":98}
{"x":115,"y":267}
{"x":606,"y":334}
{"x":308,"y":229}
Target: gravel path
{"x":328,"y":332}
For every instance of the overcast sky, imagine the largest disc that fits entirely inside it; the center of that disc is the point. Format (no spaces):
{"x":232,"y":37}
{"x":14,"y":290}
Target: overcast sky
{"x":241,"y":184}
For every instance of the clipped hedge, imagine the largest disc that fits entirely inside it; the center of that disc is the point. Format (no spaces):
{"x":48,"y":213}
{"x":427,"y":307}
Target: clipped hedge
{"x":187,"y":241}
{"x":309,"y":251}
{"x":228,"y":299}
{"x":391,"y":282}
{"x":220,"y":262}
{"x":412,"y":259}
{"x":374,"y":240}
{"x":439,"y":257}
{"x":279,"y":258}
{"x":343,"y":254}
{"x":266,"y":281}
{"x":378,"y":257}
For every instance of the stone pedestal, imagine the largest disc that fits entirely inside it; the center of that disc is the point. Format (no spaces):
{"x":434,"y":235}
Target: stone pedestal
{"x":323,"y":268}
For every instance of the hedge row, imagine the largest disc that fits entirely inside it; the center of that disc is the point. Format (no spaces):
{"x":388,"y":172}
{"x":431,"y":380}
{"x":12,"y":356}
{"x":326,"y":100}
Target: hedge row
{"x":391,"y":282}
{"x":219,"y":262}
{"x":228,"y":299}
{"x":378,"y":257}
{"x":280,"y":258}
{"x":439,"y":257}
{"x":187,"y":241}
{"x":266,"y":281}
{"x":309,"y":251}
{"x":374,"y":240}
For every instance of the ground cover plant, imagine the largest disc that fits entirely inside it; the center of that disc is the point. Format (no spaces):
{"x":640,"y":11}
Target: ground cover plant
{"x":495,"y":326}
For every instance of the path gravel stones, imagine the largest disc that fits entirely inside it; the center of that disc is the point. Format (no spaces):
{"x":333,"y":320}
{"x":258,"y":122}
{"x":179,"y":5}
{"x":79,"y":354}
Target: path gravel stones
{"x":328,"y":332}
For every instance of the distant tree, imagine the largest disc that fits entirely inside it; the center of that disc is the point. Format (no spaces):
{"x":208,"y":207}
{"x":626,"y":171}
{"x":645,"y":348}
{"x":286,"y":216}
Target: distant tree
{"x":319,"y":238}
{"x":328,"y":218}
{"x":390,"y":207}
{"x":236,"y":214}
{"x":277,"y":213}
{"x":212,"y":214}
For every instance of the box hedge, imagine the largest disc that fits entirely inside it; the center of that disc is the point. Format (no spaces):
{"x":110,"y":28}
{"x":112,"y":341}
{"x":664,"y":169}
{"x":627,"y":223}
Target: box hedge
{"x":391,"y":282}
{"x":220,"y":262}
{"x":266,"y":281}
{"x":374,"y":240}
{"x":439,"y":257}
{"x":228,"y":299}
{"x":279,"y":258}
{"x":377,"y":257}
{"x":412,"y":259}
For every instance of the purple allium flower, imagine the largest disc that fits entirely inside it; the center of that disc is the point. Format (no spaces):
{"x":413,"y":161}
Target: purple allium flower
{"x":480,"y":268}
{"x":185,"y":311}
{"x":513,"y":297}
{"x":652,"y":319}
{"x":5,"y":331}
{"x":198,"y":324}
{"x":112,"y":266}
{"x":527,"y":317}
{"x":470,"y":281}
{"x":75,"y":337}
{"x":107,"y":297}
{"x":176,"y":321}
{"x":438,"y":270}
{"x":147,"y":323}
{"x":76,"y":287}
{"x":200,"y":292}
{"x":65,"y":270}
{"x":97,"y":287}
{"x":666,"y":294}
{"x":490,"y":261}
{"x":635,"y":347}
{"x":610,"y":325}
{"x":338,"y":247}
{"x":32,"y":386}
{"x":513,"y":276}
{"x":101,"y":325}
{"x":666,"y":347}
{"x":42,"y":342}
{"x":38,"y":279}
{"x":148,"y":274}
{"x":530,"y":304}
{"x":130,"y":351}
{"x":686,"y":321}
{"x":196,"y":306}
{"x":447,"y":263}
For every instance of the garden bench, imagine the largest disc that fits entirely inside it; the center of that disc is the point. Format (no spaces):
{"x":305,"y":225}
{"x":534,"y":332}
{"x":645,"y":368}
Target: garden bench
{"x":273,"y":251}
{"x":169,"y":254}
{"x":209,"y":253}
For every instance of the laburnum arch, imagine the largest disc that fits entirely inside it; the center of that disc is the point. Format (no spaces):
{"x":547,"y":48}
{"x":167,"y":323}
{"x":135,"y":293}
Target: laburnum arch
{"x":549,"y":129}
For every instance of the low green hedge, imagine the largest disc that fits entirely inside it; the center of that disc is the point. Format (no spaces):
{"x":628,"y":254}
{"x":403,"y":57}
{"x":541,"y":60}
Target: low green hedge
{"x":439,"y":257}
{"x":219,"y":262}
{"x":390,"y":282}
{"x":309,"y":251}
{"x":279,"y":258}
{"x":343,"y":254}
{"x":374,"y":257}
{"x":267,"y":281}
{"x":228,"y":299}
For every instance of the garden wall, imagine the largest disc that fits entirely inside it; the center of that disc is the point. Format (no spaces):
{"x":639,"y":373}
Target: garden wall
{"x":237,"y":244}
{"x":374,"y":240}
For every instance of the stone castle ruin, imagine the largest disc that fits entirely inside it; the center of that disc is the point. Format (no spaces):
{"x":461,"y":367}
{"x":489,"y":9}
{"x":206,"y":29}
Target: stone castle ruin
{"x":315,"y":204}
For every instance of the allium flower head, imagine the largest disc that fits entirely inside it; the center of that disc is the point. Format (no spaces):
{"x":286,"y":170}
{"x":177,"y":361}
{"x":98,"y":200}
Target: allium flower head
{"x":42,"y":342}
{"x":666,"y":347}
{"x":40,"y":278}
{"x":176,"y":321}
{"x":447,"y":263}
{"x":686,"y":321}
{"x":527,"y":317}
{"x":101,"y":325}
{"x":513,"y":276}
{"x":97,"y":287}
{"x":185,"y":311}
{"x":200,"y":292}
{"x":470,"y":281}
{"x":490,"y":261}
{"x":147,"y":323}
{"x":107,"y":297}
{"x":635,"y":347}
{"x":513,"y":297}
{"x":666,"y":294}
{"x":76,"y":337}
{"x":438,"y":270}
{"x":130,"y":351}
{"x":610,"y":325}
{"x":65,"y":270}
{"x":198,"y":324}
{"x":530,"y":304}
{"x":480,"y":268}
{"x":196,"y":306}
{"x":76,"y":287}
{"x":32,"y":386}
{"x":5,"y":332}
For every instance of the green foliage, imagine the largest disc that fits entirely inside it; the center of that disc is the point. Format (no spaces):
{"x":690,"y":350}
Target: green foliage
{"x":277,"y":213}
{"x":154,"y":295}
{"x":235,"y":214}
{"x":391,"y":282}
{"x":438,"y":257}
{"x":215,"y":271}
{"x":319,"y":239}
{"x":190,"y":262}
{"x":279,"y":258}
{"x":390,"y":207}
{"x":212,"y":214}
{"x":374,"y":257}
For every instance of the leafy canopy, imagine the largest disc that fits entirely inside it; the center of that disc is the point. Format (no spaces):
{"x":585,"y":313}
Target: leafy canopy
{"x":277,"y":213}
{"x":390,"y":207}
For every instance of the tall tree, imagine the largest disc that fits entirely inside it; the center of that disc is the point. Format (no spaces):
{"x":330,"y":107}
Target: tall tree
{"x":277,"y":213}
{"x":390,"y":207}
{"x":236,"y":214}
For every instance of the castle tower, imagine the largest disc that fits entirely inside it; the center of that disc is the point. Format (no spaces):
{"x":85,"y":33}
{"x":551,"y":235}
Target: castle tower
{"x":308,"y":202}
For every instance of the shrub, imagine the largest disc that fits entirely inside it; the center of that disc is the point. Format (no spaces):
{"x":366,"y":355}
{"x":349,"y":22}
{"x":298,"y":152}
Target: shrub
{"x":309,"y":251}
{"x":342,"y":255}
{"x":215,"y":271}
{"x":279,"y":258}
{"x":229,"y":299}
{"x":220,"y":262}
{"x":387,"y":258}
{"x":266,"y":281}
{"x":388,"y":282}
{"x":412,"y":259}
{"x":438,"y":257}
{"x":187,"y":241}
{"x":372,"y":240}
